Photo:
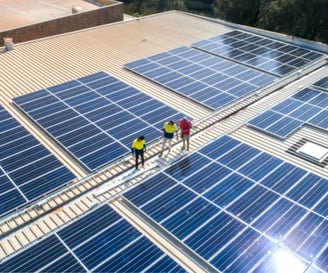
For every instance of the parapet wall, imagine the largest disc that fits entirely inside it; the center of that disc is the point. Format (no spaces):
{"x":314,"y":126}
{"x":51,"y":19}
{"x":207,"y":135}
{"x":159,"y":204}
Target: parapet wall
{"x":112,"y":12}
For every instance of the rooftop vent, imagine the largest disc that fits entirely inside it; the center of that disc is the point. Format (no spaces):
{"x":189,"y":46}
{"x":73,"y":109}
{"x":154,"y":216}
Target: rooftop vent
{"x":314,"y":151}
{"x":76,"y":9}
{"x":8,"y":43}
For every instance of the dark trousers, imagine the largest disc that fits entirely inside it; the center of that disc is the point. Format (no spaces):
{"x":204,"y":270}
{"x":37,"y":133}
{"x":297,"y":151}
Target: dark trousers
{"x":141,"y":154}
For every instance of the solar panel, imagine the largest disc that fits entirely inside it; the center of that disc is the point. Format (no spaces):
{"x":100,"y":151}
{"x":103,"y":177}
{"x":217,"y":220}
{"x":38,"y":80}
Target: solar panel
{"x":96,"y":117}
{"x":209,"y":80}
{"x":322,"y":83}
{"x":239,"y":208}
{"x":269,"y":55}
{"x":27,"y":169}
{"x":101,"y":241}
{"x":308,"y":106}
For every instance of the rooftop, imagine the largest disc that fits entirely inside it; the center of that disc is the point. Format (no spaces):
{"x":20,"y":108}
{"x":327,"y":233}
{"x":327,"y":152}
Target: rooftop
{"x":46,"y":63}
{"x":17,"y":13}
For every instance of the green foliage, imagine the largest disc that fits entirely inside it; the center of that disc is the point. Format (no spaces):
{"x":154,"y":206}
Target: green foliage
{"x":246,"y":12}
{"x":146,"y":7}
{"x":204,"y":7}
{"x":198,"y":5}
{"x":302,"y":18}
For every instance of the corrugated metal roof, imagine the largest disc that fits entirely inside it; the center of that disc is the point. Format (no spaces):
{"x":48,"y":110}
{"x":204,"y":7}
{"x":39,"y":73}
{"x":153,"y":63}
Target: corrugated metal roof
{"x":17,"y":13}
{"x":47,"y":62}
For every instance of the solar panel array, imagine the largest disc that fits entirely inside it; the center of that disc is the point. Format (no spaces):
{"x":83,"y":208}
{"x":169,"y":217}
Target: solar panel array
{"x":27,"y":169}
{"x":97,"y":117}
{"x":241,"y":209}
{"x":101,"y":241}
{"x":308,"y":106}
{"x":269,"y":55}
{"x":209,"y":80}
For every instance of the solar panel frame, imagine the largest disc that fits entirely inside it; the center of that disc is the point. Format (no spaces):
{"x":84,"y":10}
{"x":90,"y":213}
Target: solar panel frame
{"x":100,"y":241}
{"x":322,"y":83}
{"x":269,"y":55}
{"x":189,"y":72}
{"x":101,"y":111}
{"x":259,"y":204}
{"x":308,"y":106}
{"x":27,"y":169}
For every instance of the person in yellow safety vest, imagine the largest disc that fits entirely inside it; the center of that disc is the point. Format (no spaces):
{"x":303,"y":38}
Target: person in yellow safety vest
{"x":138,"y":148}
{"x":169,"y":129}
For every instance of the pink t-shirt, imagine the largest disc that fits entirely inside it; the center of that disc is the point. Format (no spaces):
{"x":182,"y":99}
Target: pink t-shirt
{"x":185,"y":126}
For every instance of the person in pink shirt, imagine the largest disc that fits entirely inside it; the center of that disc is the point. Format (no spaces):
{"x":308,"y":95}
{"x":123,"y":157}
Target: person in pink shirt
{"x":185,"y":126}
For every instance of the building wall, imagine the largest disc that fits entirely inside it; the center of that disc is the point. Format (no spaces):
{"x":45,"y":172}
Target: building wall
{"x":104,"y":15}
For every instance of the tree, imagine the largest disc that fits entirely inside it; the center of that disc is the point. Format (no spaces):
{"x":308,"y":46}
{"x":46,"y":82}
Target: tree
{"x":246,"y":12}
{"x":200,"y":7}
{"x":302,"y":18}
{"x":145,"y":7}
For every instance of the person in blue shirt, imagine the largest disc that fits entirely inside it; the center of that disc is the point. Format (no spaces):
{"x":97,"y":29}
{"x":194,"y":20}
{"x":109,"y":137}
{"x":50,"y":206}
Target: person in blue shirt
{"x":169,"y":129}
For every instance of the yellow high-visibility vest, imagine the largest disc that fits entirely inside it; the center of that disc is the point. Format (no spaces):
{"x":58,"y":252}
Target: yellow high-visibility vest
{"x":138,"y":144}
{"x":170,"y":128}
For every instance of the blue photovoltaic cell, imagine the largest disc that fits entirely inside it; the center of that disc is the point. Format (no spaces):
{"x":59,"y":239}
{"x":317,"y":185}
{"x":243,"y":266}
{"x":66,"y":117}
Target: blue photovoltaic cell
{"x":226,"y":225}
{"x":275,"y":221}
{"x":235,"y":206}
{"x":10,"y":199}
{"x":212,"y":81}
{"x":315,"y":190}
{"x":166,"y":265}
{"x":36,"y":257}
{"x":187,"y":166}
{"x":117,"y":237}
{"x":253,"y":203}
{"x":141,"y":255}
{"x":199,"y":180}
{"x":149,"y":190}
{"x":322,"y":207}
{"x":27,"y":169}
{"x":186,"y":220}
{"x":66,"y":263}
{"x":233,"y":186}
{"x":322,"y":83}
{"x":279,"y":180}
{"x":310,"y":236}
{"x":101,"y":241}
{"x":266,"y":54}
{"x":178,"y":197}
{"x":80,"y":231}
{"x":322,"y":261}
{"x":308,"y":106}
{"x":231,"y":259}
{"x":96,"y":117}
